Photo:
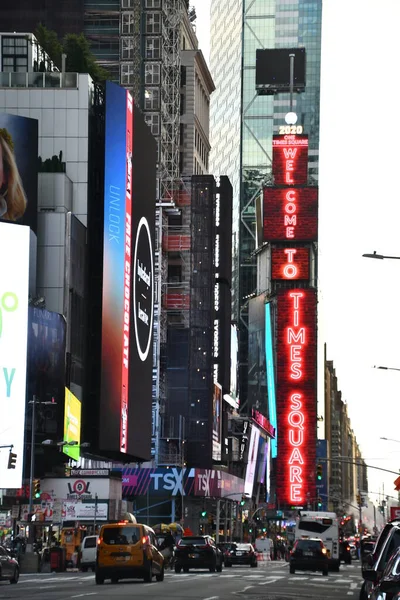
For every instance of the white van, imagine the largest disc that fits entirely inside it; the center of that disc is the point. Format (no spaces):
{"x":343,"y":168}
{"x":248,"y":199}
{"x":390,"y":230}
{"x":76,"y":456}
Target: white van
{"x":88,"y":552}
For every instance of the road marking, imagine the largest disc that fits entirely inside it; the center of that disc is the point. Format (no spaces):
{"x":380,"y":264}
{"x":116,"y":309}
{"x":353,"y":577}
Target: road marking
{"x":353,"y":586}
{"x":212,"y":598}
{"x":350,"y":594}
{"x":88,"y":594}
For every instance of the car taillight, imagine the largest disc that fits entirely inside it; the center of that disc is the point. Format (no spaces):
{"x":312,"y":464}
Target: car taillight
{"x":348,"y":548}
{"x":99,"y":541}
{"x":146,"y":540}
{"x":323,"y":550}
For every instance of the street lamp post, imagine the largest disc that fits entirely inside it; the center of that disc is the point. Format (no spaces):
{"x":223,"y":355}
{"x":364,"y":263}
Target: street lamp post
{"x":380,"y":256}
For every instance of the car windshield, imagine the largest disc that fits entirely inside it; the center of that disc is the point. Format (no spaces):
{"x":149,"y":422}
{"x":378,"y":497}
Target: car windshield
{"x":121,"y":535}
{"x":90,"y":542}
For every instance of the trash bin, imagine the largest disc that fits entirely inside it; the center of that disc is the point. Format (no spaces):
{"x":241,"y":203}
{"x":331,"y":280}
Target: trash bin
{"x":57,"y":559}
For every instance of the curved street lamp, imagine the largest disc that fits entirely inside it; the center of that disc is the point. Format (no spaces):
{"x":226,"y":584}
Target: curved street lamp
{"x":387,"y":368}
{"x":380,"y":256}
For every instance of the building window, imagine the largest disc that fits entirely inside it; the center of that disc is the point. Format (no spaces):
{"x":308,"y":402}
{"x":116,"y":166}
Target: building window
{"x":183,"y":76}
{"x":15,"y":54}
{"x":127,"y":74}
{"x":153,"y":23}
{"x":152,"y":74}
{"x":128,"y":3}
{"x":127,"y":48}
{"x":128,"y":23}
{"x":153,"y":121}
{"x":152,"y":99}
{"x":153,"y":48}
{"x":153,"y":3}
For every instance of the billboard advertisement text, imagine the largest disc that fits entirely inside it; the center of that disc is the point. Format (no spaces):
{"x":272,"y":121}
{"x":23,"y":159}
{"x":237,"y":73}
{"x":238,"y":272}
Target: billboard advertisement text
{"x":290,"y":214}
{"x":19,"y":169}
{"x":297,"y":401}
{"x":290,"y":159}
{"x":14,"y":278}
{"x":116,"y":269}
{"x":290,"y":263}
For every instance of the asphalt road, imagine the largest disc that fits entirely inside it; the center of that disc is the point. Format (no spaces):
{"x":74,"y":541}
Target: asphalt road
{"x":271,"y":581}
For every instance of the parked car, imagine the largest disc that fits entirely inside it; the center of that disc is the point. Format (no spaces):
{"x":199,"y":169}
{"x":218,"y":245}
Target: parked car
{"x":88,"y":552}
{"x":9,"y":567}
{"x":345,"y":552}
{"x":309,"y":555}
{"x":388,"y":587}
{"x":375,"y":563}
{"x":241,"y":554}
{"x":128,"y":550}
{"x":198,"y":552}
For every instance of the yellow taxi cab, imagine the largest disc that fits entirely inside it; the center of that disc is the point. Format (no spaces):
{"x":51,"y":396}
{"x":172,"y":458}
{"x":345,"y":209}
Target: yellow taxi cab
{"x":128,"y":550}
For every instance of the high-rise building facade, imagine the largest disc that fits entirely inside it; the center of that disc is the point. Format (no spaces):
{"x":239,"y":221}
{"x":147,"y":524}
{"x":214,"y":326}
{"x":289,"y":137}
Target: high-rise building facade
{"x":243,"y":123}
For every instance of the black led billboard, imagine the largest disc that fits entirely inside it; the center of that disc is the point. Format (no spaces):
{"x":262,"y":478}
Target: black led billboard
{"x":273,"y":70}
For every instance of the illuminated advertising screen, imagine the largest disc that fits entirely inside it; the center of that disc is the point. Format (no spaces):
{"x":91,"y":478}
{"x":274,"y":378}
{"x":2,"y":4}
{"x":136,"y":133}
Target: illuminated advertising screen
{"x":14,"y":278}
{"x":290,"y":214}
{"x":290,"y":159}
{"x":117,"y":263}
{"x":19,"y":169}
{"x":270,"y":370}
{"x":297,"y":395}
{"x":234,"y":361}
{"x":290,"y":263}
{"x":72,"y":425}
{"x":217,"y":422}
{"x":251,"y":460}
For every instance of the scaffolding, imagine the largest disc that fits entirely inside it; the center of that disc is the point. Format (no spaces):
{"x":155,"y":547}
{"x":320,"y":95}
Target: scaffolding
{"x":172,"y":13}
{"x":130,"y":48}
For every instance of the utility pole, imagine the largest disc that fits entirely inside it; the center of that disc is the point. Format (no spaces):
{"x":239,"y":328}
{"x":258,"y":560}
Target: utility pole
{"x":217,"y":522}
{"x":31,"y":538}
{"x":95,"y":513}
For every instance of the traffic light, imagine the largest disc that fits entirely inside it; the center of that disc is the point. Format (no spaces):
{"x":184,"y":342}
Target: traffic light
{"x":264,"y":529}
{"x":203,"y":513}
{"x":319,"y":472}
{"x":358,"y":499}
{"x":319,"y":501}
{"x":36,"y":488}
{"x":243,"y":501}
{"x":12,"y":460}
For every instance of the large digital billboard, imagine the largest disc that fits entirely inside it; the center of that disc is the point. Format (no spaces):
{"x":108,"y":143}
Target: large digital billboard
{"x":117,"y":261}
{"x":297,"y":395}
{"x":251,"y":460}
{"x":290,"y":159}
{"x":128,"y":279}
{"x":14,"y":278}
{"x":18,"y":169}
{"x":290,"y":214}
{"x":72,"y":425}
{"x":46,"y":369}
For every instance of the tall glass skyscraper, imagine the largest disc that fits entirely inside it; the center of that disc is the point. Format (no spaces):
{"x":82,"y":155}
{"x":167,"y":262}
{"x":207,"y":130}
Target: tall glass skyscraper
{"x":243,"y":123}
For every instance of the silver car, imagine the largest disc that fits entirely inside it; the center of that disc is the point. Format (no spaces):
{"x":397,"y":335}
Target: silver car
{"x":9,"y":567}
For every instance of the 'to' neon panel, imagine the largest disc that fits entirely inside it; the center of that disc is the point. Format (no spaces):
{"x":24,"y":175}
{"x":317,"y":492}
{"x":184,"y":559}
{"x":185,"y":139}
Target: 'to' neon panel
{"x":297,"y":396}
{"x":290,"y":263}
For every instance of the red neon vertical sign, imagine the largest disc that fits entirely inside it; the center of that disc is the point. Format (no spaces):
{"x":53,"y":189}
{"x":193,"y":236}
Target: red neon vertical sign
{"x":127,"y":276}
{"x":290,"y":263}
{"x":290,"y":159}
{"x":297,"y":396}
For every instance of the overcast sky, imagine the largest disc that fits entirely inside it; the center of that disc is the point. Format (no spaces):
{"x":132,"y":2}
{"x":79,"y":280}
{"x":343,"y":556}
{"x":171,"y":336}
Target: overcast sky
{"x":359,"y":316}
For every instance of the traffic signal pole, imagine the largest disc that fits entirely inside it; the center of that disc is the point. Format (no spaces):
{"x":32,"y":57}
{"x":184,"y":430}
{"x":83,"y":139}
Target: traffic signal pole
{"x":31,"y":475}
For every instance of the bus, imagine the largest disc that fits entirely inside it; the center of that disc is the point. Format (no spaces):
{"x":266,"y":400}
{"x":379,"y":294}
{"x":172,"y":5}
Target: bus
{"x":323,"y":525}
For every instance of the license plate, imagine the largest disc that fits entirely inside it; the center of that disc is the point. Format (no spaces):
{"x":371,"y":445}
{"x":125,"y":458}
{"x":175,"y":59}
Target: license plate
{"x":308,"y":554}
{"x":239,"y":553}
{"x":193,"y":556}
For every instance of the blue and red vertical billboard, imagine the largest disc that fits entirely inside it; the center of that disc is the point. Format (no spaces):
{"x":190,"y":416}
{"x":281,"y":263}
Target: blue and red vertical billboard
{"x":116,"y":269}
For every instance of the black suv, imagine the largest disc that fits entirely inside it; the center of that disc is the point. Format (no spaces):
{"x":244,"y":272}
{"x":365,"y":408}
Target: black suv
{"x":309,"y":555}
{"x":198,"y":552}
{"x":375,"y":563}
